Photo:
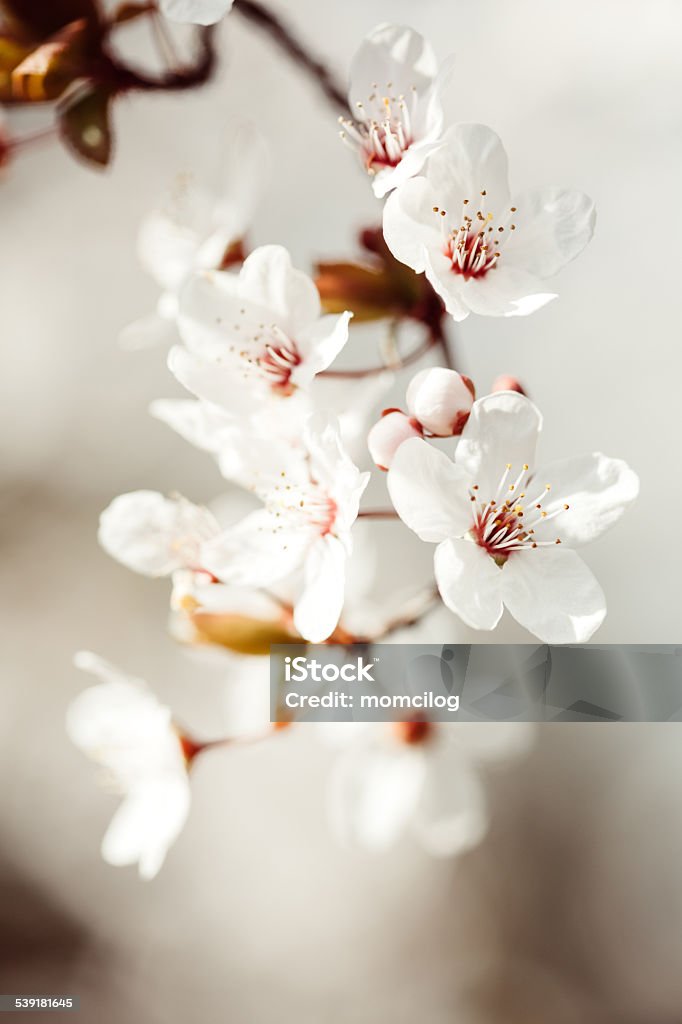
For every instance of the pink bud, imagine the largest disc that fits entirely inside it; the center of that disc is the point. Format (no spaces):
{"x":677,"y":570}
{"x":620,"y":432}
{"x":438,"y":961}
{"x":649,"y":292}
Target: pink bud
{"x":440,"y":400}
{"x":388,"y":434}
{"x":506,"y":383}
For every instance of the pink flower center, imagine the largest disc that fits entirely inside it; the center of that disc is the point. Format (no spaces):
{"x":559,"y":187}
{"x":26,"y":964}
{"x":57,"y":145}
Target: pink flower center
{"x":295,"y":501}
{"x":278,"y":363}
{"x":268,"y":352}
{"x":502,"y":526}
{"x":382,"y":130}
{"x":475,"y":245}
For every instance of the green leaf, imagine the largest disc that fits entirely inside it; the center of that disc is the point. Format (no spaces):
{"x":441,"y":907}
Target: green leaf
{"x":85,"y":125}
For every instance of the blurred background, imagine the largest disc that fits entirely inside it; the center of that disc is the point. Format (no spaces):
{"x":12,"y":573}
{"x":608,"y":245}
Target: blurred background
{"x":571,"y":911}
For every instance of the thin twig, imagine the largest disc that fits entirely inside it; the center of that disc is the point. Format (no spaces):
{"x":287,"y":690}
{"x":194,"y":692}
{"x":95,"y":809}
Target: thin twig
{"x":124,"y":79}
{"x":369,"y":371}
{"x":416,"y":611}
{"x":377,"y":513}
{"x":281,"y":35}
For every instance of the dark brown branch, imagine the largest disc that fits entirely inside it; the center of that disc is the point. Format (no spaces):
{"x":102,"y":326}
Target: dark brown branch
{"x":123,"y":78}
{"x":258,"y":14}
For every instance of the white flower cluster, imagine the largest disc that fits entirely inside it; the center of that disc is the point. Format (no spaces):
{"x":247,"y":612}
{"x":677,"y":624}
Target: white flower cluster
{"x":254,"y":349}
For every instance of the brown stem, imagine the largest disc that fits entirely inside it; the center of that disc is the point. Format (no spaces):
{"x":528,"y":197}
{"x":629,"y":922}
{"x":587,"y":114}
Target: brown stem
{"x":377,"y":513}
{"x":420,"y":607}
{"x":123,"y":78}
{"x":280,"y":34}
{"x":440,"y":339}
{"x":369,"y":371}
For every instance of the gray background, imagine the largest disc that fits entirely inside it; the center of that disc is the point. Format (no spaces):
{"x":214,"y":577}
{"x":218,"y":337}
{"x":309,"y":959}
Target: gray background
{"x":571,"y":910}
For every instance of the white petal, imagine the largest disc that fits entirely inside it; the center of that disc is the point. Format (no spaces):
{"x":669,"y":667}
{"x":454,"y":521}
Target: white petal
{"x":147,"y":823}
{"x":392,"y":58}
{"x":597,"y":490}
{"x":197,"y":12}
{"x":257,"y":551}
{"x":469,"y":582}
{"x":317,"y":611}
{"x":387,"y":178}
{"x":553,"y":226}
{"x":154,"y":535}
{"x":111,"y":715}
{"x":320,"y":344}
{"x":502,"y":429}
{"x":446,"y":283}
{"x":333,"y":469}
{"x":553,"y":594}
{"x":268,"y":279}
{"x":203,"y":425}
{"x":505,"y":291}
{"x":122,"y":725}
{"x":429,"y":491}
{"x":411,"y":228}
{"x":217,"y":383}
{"x":374,"y":792}
{"x":167,"y":248}
{"x":472,"y":159}
{"x":451,"y":816}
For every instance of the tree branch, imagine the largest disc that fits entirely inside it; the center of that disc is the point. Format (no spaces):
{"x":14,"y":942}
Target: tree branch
{"x":259,"y":15}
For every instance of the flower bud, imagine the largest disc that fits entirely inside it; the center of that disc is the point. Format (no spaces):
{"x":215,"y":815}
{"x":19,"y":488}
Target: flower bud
{"x":440,"y":400}
{"x":388,"y":434}
{"x":506,"y":383}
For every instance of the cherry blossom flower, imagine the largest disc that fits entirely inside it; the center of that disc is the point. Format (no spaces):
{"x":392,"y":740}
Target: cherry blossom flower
{"x":155,"y":535}
{"x":198,"y":12}
{"x":506,"y":530}
{"x":482,"y":249}
{"x":309,"y":509}
{"x":120,"y":724}
{"x":421,"y":777}
{"x":260,"y":332}
{"x":198,"y":225}
{"x":394,"y":95}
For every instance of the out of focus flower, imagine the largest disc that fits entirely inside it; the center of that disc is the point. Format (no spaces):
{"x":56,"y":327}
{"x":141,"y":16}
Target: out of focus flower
{"x":394,"y":96}
{"x":421,"y":777}
{"x":198,"y":226}
{"x":483,"y":250}
{"x":198,"y":12}
{"x":154,"y":535}
{"x":439,"y":401}
{"x":260,"y":331}
{"x":305,"y":525}
{"x":120,"y":724}
{"x":504,"y":529}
